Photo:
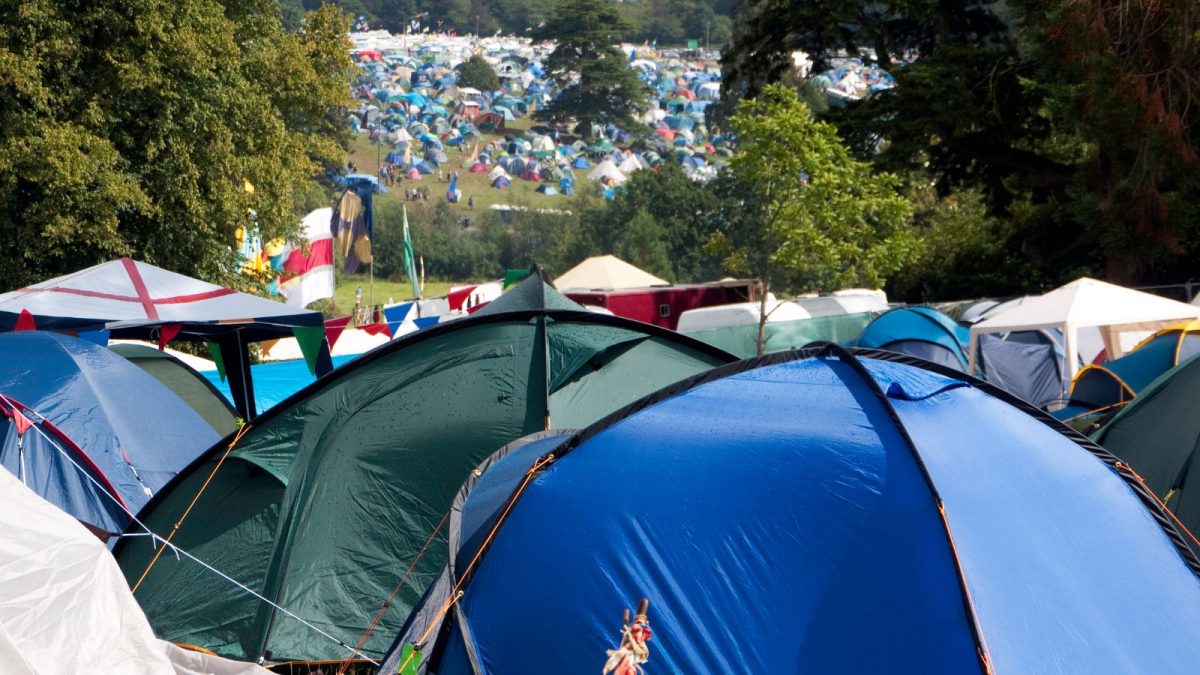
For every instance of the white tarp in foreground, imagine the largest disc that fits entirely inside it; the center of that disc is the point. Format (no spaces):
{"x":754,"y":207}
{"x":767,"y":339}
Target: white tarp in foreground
{"x":65,"y":607}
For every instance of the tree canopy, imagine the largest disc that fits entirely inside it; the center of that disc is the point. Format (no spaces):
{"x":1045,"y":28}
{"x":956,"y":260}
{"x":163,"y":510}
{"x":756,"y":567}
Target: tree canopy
{"x":133,"y":127}
{"x":1067,"y":125}
{"x":597,"y":87}
{"x":478,"y":73}
{"x":820,"y":217}
{"x":668,"y":22}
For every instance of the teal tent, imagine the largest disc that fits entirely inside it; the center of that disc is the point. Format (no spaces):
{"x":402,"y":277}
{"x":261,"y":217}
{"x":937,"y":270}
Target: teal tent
{"x":323,"y":505}
{"x":1158,"y":435}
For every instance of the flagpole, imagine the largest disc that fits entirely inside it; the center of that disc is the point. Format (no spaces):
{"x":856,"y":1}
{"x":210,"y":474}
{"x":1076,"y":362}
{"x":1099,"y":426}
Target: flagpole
{"x":371,"y":273}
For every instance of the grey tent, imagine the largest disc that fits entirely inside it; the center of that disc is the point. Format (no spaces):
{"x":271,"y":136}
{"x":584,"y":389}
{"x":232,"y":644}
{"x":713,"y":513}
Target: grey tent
{"x":192,"y":387}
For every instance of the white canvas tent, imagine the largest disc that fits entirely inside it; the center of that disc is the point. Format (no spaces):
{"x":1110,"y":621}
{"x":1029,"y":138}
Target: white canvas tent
{"x":606,"y":170}
{"x":64,"y":604}
{"x":1081,"y":304}
{"x":606,"y":272}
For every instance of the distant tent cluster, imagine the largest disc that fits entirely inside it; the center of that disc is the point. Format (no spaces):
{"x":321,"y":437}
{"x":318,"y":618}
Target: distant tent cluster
{"x":410,"y":101}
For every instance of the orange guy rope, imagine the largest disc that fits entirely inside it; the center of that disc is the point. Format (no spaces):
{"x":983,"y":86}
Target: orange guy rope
{"x":237,"y":437}
{"x":456,"y":593}
{"x":1163,"y":504}
{"x":387,"y":603}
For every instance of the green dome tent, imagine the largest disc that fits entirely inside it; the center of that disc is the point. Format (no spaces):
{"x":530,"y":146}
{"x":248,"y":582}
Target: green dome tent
{"x":192,"y":387}
{"x":327,"y":500}
{"x":1158,"y":434}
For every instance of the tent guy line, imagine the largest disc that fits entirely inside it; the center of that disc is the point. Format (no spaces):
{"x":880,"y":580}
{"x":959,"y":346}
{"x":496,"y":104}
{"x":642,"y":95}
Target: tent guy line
{"x":179,"y":551}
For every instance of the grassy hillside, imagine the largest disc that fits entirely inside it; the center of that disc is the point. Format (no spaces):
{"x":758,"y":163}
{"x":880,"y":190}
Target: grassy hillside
{"x":367,"y":157}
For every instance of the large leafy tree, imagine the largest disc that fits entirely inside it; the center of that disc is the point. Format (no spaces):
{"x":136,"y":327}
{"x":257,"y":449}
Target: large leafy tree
{"x":597,"y":88}
{"x":130,"y":127}
{"x":1124,"y":77}
{"x":478,"y":73}
{"x":1073,"y":123}
{"x":663,"y":201}
{"x":814,"y":217}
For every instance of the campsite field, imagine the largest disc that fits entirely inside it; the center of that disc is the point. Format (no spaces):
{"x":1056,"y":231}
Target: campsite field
{"x":367,"y":156}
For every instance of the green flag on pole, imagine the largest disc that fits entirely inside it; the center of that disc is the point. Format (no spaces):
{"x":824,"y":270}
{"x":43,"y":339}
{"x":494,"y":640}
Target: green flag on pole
{"x":410,"y":260}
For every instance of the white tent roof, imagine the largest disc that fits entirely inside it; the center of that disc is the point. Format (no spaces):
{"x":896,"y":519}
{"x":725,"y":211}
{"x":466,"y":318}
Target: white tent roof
{"x":65,"y":606}
{"x":124,"y":293}
{"x":606,"y":272}
{"x":607,"y":169}
{"x":630,"y":165}
{"x":1087,"y":303}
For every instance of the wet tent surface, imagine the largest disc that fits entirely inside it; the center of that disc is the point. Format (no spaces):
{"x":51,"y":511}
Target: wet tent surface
{"x":345,"y":482}
{"x":134,"y":431}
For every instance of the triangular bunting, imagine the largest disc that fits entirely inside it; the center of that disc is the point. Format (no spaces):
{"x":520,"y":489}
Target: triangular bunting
{"x":396,"y":316}
{"x":376,"y":329}
{"x":476,"y":308}
{"x":25,"y":321}
{"x":425,"y":322}
{"x":410,"y":661}
{"x":334,"y":328}
{"x":513,"y":276}
{"x":310,"y":339}
{"x":166,"y":333}
{"x":214,"y":350}
{"x":458,"y":297}
{"x":21,"y":421}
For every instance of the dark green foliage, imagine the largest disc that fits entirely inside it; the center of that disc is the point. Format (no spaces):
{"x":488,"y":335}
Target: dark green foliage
{"x":597,"y":87}
{"x":128,"y":127}
{"x":682,"y":209}
{"x":450,"y":252}
{"x":476,"y":72}
{"x":644,"y":244}
{"x":670,"y":22}
{"x":1073,"y":128}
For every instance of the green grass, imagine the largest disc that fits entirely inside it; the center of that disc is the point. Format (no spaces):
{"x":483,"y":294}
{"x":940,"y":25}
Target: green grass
{"x":385,"y":291}
{"x":367,"y":156}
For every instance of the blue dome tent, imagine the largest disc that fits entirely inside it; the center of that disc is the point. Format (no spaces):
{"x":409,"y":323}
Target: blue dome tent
{"x":94,"y":411}
{"x":872,"y":515}
{"x":923,"y":332}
